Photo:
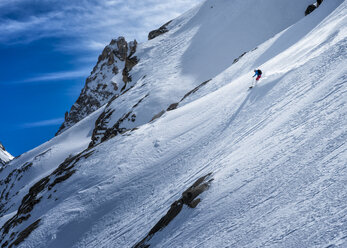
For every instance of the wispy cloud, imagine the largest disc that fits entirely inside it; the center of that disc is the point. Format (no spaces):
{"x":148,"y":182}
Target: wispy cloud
{"x":94,"y":23}
{"x":44,"y":123}
{"x":54,"y":76}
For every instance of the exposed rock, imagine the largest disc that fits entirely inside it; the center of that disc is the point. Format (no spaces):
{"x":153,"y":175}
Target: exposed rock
{"x":8,"y":183}
{"x":237,"y":59}
{"x":195,"y":89}
{"x":64,"y":171}
{"x":99,"y":87}
{"x":172,"y":106}
{"x":25,"y":233}
{"x":310,"y":9}
{"x":101,"y":131}
{"x":160,"y":114}
{"x":100,"y":127}
{"x":155,"y":33}
{"x":122,"y":48}
{"x":115,"y":70}
{"x":129,"y":64}
{"x":319,"y":2}
{"x":132,"y":46}
{"x":110,"y":60}
{"x":189,"y":198}
{"x":115,"y":86}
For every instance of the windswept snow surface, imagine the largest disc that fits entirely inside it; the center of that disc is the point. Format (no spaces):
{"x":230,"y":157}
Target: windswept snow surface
{"x":277,"y":153}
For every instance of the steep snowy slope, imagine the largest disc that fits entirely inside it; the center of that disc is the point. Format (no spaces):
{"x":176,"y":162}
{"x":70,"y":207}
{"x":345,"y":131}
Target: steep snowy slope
{"x":200,"y":44}
{"x":276,"y":153}
{"x":19,"y":175}
{"x":4,"y":155}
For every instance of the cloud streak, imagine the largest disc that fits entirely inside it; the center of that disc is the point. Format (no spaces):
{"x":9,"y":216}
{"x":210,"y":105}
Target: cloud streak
{"x":44,"y":123}
{"x":58,"y":76}
{"x":91,"y":22}
{"x":55,"y":76}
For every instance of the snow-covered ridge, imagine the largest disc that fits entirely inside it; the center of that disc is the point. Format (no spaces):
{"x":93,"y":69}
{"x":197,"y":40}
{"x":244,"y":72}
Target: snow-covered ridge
{"x":276,"y":153}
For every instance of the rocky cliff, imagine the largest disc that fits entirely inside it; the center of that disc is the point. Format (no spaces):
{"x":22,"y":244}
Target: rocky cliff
{"x":109,"y":77}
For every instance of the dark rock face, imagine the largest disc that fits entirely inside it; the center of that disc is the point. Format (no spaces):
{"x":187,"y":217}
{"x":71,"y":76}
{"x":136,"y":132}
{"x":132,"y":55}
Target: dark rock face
{"x":130,"y":62}
{"x":25,"y":233}
{"x":310,"y":9}
{"x":99,"y":88}
{"x":319,"y":2}
{"x":189,"y":198}
{"x":155,"y":33}
{"x":102,"y":132}
{"x":8,"y":183}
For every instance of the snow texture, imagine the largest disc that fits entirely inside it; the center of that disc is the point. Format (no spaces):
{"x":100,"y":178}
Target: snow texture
{"x":277,"y":152}
{"x":4,"y":155}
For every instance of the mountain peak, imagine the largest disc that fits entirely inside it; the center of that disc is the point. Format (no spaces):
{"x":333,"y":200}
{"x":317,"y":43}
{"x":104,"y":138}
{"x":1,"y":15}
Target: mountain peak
{"x":104,"y":82}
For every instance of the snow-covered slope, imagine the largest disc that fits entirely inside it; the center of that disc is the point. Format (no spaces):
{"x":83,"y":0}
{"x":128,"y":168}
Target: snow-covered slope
{"x":4,"y":155}
{"x":276,"y":152}
{"x":200,"y":44}
{"x":19,"y":175}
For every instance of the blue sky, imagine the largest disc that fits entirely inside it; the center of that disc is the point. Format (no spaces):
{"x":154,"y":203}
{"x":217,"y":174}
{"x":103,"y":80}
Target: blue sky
{"x":47,"y":50}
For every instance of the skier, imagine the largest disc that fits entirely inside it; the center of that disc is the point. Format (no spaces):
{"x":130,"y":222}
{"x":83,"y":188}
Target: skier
{"x":258,"y":73}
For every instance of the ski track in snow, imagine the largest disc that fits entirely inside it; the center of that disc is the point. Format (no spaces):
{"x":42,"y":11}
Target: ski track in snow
{"x":277,"y":153}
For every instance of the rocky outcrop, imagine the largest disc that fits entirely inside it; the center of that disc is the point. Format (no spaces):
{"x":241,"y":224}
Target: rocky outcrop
{"x":7,"y":184}
{"x":105,"y":129}
{"x":189,"y":198}
{"x":175,"y":105}
{"x":99,"y":86}
{"x":310,"y":9}
{"x":130,"y":62}
{"x":102,"y":132}
{"x":8,"y":236}
{"x":237,"y":59}
{"x":155,"y":33}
